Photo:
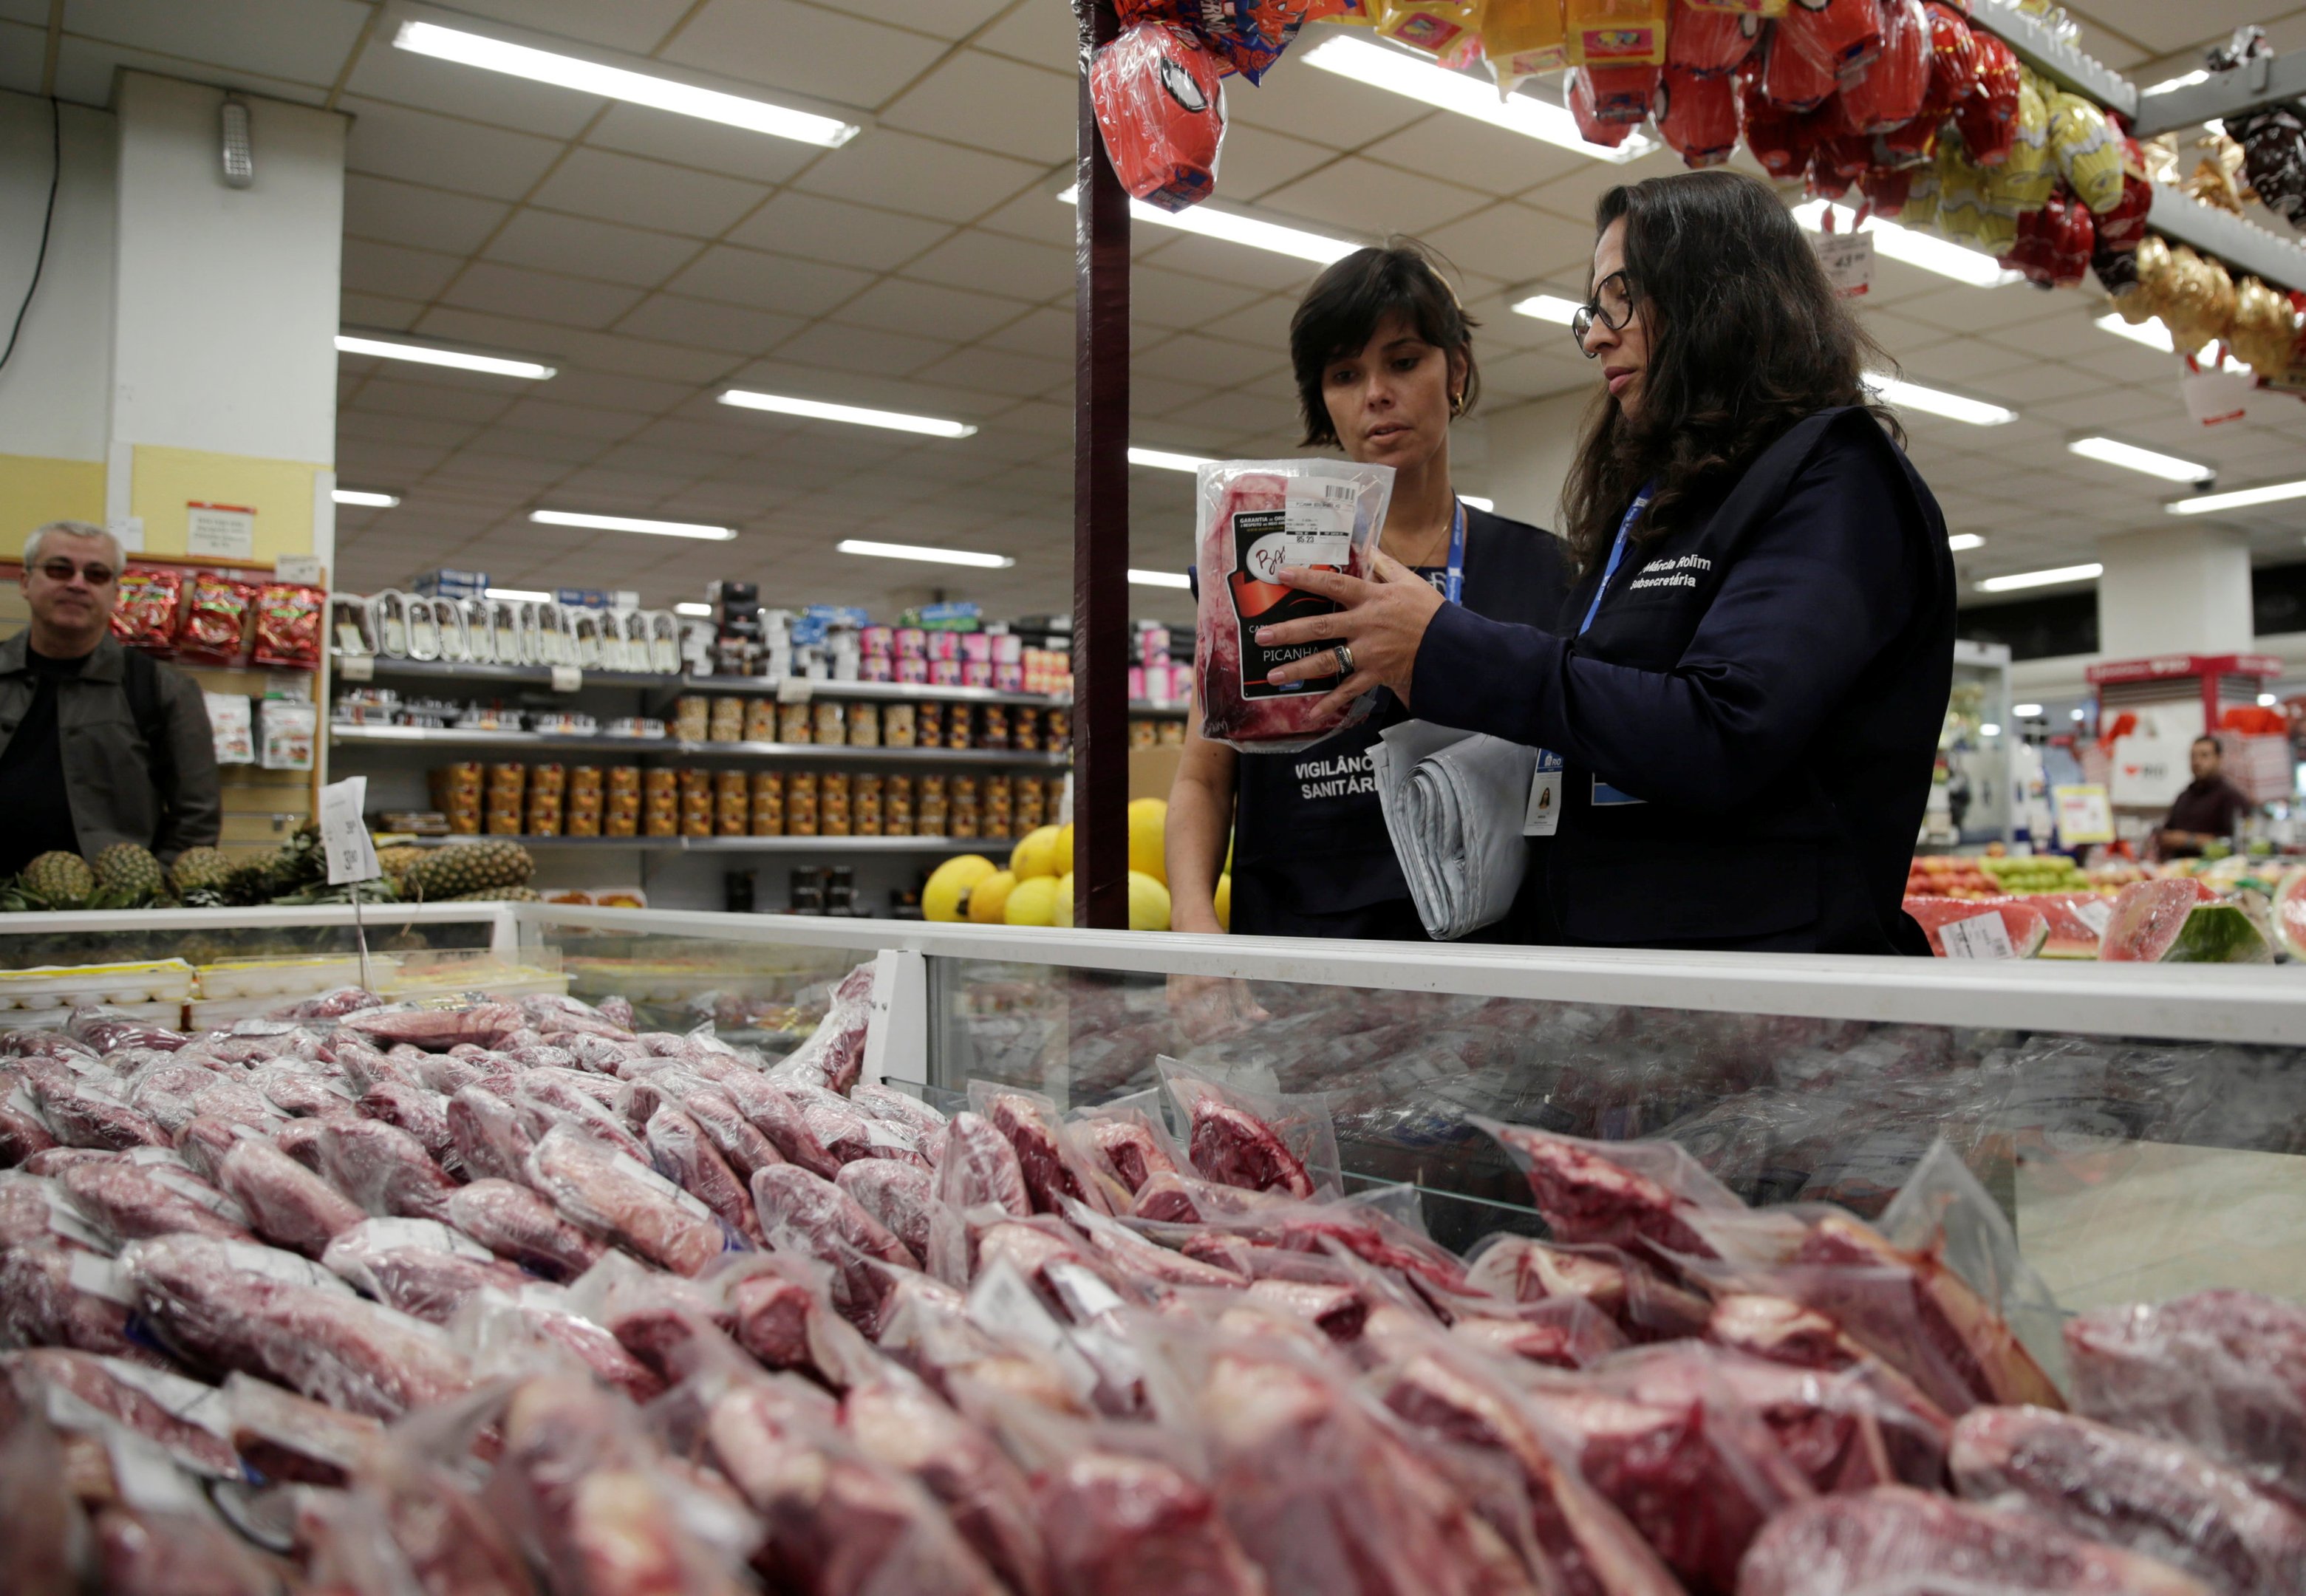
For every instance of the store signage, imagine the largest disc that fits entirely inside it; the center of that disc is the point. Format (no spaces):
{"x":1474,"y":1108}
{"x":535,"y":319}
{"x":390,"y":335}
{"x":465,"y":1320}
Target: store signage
{"x":2214,"y":398}
{"x":2149,"y":773}
{"x":220,"y":531}
{"x":298,"y":567}
{"x":2085,"y":813}
{"x":344,"y":833}
{"x":1981,"y":936}
{"x":1848,"y":262}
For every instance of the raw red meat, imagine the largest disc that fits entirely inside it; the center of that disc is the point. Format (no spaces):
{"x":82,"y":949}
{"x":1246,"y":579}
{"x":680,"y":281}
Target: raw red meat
{"x":436,"y":1030}
{"x":1132,"y":1149}
{"x":684,"y":1155}
{"x":1914,"y":1430}
{"x":738,"y":1140}
{"x":780,"y":1116}
{"x":287,"y":1204}
{"x":51,"y":1295}
{"x":1239,"y":1149}
{"x":84,"y":1117}
{"x":1039,"y":1156}
{"x":849,"y":1134}
{"x":1143,"y":1261}
{"x":143,"y":1553}
{"x":293,"y":1091}
{"x":383,"y":1168}
{"x":290,"y":1437}
{"x":833,"y":1056}
{"x":1587,"y":1195}
{"x":624,"y":1202}
{"x":2224,"y":1371}
{"x":490,"y":1141}
{"x":20,"y":1136}
{"x":422,"y":1113}
{"x":898,"y":1108}
{"x":130,"y":1201}
{"x":1120,"y":1525}
{"x":151,"y":1403}
{"x":902,"y":1425}
{"x":422,"y":1268}
{"x":1337,"y":1311}
{"x":543,"y":1101}
{"x":1166,"y":1199}
{"x":806,"y":1214}
{"x":1899,"y":1539}
{"x":322,"y":1341}
{"x":523,"y":1228}
{"x":2161,"y":1499}
{"x":33,"y":1208}
{"x":1634,"y":1296}
{"x":772,"y":1315}
{"x":900,"y":1196}
{"x":979,"y":1168}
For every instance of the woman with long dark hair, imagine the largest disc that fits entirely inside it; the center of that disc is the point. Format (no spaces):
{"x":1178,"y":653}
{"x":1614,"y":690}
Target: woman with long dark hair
{"x":1739,"y":712}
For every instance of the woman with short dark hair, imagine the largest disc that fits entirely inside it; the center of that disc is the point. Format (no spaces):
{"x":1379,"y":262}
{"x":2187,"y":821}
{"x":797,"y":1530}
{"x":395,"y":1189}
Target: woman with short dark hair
{"x":1384,"y":360}
{"x":1738,"y":714}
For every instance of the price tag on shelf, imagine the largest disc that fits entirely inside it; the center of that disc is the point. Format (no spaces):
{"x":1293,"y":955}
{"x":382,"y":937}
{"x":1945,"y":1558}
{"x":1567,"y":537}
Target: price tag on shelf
{"x":567,"y":679}
{"x":298,"y":567}
{"x":1981,"y":936}
{"x":1848,"y":262}
{"x":344,"y":834}
{"x":793,"y":689}
{"x":355,"y":667}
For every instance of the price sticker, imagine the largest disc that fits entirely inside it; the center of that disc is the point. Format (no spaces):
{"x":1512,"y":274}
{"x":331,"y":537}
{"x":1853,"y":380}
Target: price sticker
{"x":2096,"y":914}
{"x":298,"y":567}
{"x":356,"y":668}
{"x":567,"y":679}
{"x":793,"y":689}
{"x":1981,"y":936}
{"x":344,"y":833}
{"x":1848,"y":262}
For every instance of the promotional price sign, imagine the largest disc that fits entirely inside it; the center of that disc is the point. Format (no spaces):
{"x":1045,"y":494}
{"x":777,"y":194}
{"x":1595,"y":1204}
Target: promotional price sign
{"x":2085,"y":813}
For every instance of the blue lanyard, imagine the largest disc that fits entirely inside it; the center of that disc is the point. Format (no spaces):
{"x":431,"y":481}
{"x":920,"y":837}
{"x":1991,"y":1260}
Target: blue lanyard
{"x":1617,"y":552}
{"x":1454,"y":588}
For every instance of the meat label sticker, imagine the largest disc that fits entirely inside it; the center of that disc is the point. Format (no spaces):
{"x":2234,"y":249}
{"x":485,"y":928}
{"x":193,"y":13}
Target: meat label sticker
{"x":2096,"y":914}
{"x":1314,"y":529}
{"x":428,"y":1236}
{"x":285,"y":1268}
{"x":101,"y":1278}
{"x":1981,"y":936}
{"x":185,"y":1399}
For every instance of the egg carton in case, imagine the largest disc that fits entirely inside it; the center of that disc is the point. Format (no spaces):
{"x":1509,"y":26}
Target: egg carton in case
{"x":286,"y":980}
{"x":63,"y":986}
{"x":167,"y":1013}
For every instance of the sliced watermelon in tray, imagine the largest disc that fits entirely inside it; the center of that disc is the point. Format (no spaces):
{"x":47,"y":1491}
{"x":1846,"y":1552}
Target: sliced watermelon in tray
{"x":2077,"y":921}
{"x":2028,"y":926}
{"x":2169,"y":921}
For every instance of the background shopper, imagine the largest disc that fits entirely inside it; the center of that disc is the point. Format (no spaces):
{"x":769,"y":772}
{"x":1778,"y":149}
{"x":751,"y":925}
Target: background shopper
{"x":2209,"y":810}
{"x":1744,"y":693}
{"x":1384,"y":360}
{"x":98,"y":744}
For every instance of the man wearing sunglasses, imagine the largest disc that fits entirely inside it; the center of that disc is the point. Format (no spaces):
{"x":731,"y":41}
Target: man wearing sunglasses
{"x":98,"y":744}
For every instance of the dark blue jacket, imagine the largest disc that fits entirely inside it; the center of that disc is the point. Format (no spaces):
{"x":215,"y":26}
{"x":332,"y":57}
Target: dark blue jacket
{"x":1770,"y":680}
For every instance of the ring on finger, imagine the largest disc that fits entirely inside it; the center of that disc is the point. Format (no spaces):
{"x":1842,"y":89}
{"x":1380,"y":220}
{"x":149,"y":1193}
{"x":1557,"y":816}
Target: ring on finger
{"x":1344,"y":654}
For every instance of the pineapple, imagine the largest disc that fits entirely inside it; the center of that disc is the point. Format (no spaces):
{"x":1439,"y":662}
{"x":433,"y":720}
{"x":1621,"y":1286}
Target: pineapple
{"x":498,"y":895}
{"x":128,"y":876}
{"x":395,"y":861}
{"x":461,"y":869}
{"x":53,"y":880}
{"x":199,"y":873}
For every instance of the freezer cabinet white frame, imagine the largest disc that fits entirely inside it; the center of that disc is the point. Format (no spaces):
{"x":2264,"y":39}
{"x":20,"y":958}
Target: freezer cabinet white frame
{"x":2188,"y":1003}
{"x":504,"y":937}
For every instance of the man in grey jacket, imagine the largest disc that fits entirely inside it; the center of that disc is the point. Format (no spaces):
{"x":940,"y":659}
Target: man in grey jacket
{"x":98,"y":744}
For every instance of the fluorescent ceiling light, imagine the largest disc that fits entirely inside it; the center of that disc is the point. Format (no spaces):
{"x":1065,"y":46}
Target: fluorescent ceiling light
{"x":2240,"y":498}
{"x":1162,"y":459}
{"x":1988,"y":729}
{"x":1914,"y":247}
{"x":2268,"y":700}
{"x":2154,"y":336}
{"x":375,"y":501}
{"x":2077,"y":715}
{"x":928,"y":556}
{"x":1380,"y":67}
{"x":1548,"y":307}
{"x":617,"y":83}
{"x":426,"y":355}
{"x":1233,"y":226}
{"x":1913,"y":395}
{"x":2050,"y":578}
{"x":1478,"y":502}
{"x":1158,"y":578}
{"x":2111,"y":451}
{"x":1961,"y":543}
{"x":663,"y":529}
{"x":2025,"y":711}
{"x":692,"y":609}
{"x":518,"y":595}
{"x":854,"y":415}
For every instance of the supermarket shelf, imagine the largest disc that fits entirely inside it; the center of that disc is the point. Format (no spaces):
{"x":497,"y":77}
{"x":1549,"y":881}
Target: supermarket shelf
{"x":539,"y":676}
{"x":2053,"y":57}
{"x":895,"y":845}
{"x":2245,"y":87}
{"x":2242,"y":243}
{"x":795,"y":689}
{"x":436,"y":736}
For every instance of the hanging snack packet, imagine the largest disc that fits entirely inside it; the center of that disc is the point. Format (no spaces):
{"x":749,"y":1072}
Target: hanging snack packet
{"x":1522,"y":39}
{"x":1953,"y":59}
{"x":2086,"y":149}
{"x":1780,"y":137}
{"x":1591,"y":125}
{"x":1791,"y":80}
{"x":1835,"y":35}
{"x":1891,"y":91}
{"x":288,"y":625}
{"x":1161,"y":109}
{"x":1615,"y":33}
{"x":1436,"y":27}
{"x":1254,"y":518}
{"x":1987,"y":117}
{"x":1696,"y":114}
{"x":215,"y":622}
{"x":1710,"y":41}
{"x":145,"y":617}
{"x":2025,"y":177}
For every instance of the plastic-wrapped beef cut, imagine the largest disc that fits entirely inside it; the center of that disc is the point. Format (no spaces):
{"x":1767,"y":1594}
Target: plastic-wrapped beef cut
{"x":130,"y":1201}
{"x":82,"y":1116}
{"x":1161,"y":108}
{"x":902,"y":1425}
{"x":248,"y":1309}
{"x":736,"y":1138}
{"x":522,"y":1228}
{"x":900,"y":1196}
{"x":1899,"y":1539}
{"x":490,"y":1140}
{"x":1617,"y":1192}
{"x":2161,"y":1499}
{"x":806,"y":1214}
{"x":181,"y":1417}
{"x":287,"y":1204}
{"x":383,"y":1168}
{"x":285,"y":1436}
{"x":833,"y":1056}
{"x":624,"y":1202}
{"x":21,"y":1135}
{"x":685,"y":1156}
{"x":897,"y":1107}
{"x":780,"y":1115}
{"x":142,"y":1551}
{"x":425,"y":1268}
{"x":1255,"y":517}
{"x":1040,"y":1152}
{"x":53,"y":1295}
{"x":436,"y":1030}
{"x":979,"y":1167}
{"x":422,"y":1113}
{"x":1234,"y":1148}
{"x":1111,"y":1519}
{"x":102,"y":1029}
{"x":1642,"y":1302}
{"x":1131,"y":1149}
{"x":2222,"y":1370}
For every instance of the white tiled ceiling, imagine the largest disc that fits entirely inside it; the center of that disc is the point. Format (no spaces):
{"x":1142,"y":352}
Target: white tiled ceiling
{"x":927,"y":267}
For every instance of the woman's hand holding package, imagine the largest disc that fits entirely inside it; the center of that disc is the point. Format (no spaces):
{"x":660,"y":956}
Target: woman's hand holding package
{"x":1383,"y":621}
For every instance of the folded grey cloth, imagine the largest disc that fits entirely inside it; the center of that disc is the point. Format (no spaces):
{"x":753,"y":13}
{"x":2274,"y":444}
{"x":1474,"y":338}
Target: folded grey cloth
{"x":1454,"y":803}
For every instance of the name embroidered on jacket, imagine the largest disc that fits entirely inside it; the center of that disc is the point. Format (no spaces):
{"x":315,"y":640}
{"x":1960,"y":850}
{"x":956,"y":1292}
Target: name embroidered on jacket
{"x":1342,"y":777}
{"x":1672,"y":571}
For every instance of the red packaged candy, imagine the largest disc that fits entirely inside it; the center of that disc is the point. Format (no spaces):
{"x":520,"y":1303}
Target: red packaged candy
{"x":1835,"y":35}
{"x":1591,"y":125}
{"x":288,"y":625}
{"x":1621,"y":93}
{"x":2053,"y":242}
{"x":1891,"y":91}
{"x":1710,"y":41}
{"x":1953,"y":59}
{"x":1792,"y":80}
{"x":1696,"y":114}
{"x":1988,"y":120}
{"x":2123,"y":229}
{"x":215,"y":622}
{"x":1160,"y":105}
{"x":145,"y":617}
{"x":1836,"y":163}
{"x":1886,"y":188}
{"x":1780,"y":139}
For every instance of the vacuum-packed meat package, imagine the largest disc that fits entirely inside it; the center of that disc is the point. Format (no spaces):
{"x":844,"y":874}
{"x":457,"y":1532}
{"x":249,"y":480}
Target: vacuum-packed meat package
{"x":1256,"y":516}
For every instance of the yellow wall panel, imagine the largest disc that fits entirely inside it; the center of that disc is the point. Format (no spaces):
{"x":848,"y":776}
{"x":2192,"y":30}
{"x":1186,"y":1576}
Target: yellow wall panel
{"x":281,"y":491}
{"x":35,"y":489}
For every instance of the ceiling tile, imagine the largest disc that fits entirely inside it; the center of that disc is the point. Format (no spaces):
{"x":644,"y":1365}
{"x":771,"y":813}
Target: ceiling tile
{"x":418,"y":147}
{"x":539,"y":414}
{"x":1159,"y":298}
{"x":515,"y":291}
{"x":862,"y":350}
{"x":848,"y":60}
{"x":830,"y":230}
{"x":1308,"y":103}
{"x":302,"y":41}
{"x":373,"y":268}
{"x":727,"y":329}
{"x":377,"y":311}
{"x":1256,"y":160}
{"x":943,"y":19}
{"x":1518,"y":246}
{"x":423,"y":218}
{"x":1047,"y":333}
{"x":1362,"y":197}
{"x":1009,"y":267}
{"x":86,"y":69}
{"x":920,"y":176}
{"x":928,"y":311}
{"x":23,"y":54}
{"x":634,"y":26}
{"x":1000,"y":371}
{"x":1044,"y":35}
{"x":623,"y":188}
{"x":578,"y":246}
{"x":1190,"y":357}
{"x":993,"y":103}
{"x":769,"y":282}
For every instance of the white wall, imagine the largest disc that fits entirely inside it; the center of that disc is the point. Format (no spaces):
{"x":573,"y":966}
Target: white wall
{"x":227,"y":297}
{"x":2173,"y":590}
{"x":1529,"y":448}
{"x":52,"y":391}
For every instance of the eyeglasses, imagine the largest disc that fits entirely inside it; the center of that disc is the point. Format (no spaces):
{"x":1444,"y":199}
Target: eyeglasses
{"x":1613,"y":305}
{"x":64,"y":571}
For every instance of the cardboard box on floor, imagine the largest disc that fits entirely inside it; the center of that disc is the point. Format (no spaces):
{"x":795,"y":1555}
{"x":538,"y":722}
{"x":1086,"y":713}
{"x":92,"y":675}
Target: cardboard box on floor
{"x":1152,"y":771}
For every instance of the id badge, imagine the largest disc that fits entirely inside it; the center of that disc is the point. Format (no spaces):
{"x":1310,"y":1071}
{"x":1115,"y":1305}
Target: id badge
{"x":1544,"y":817}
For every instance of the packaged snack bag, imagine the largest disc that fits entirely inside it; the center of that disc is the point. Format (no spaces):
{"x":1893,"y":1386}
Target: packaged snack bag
{"x":1591,"y":125}
{"x":1953,"y":59}
{"x":2087,"y":150}
{"x":216,"y":619}
{"x":1522,"y":39}
{"x":1792,"y":80}
{"x":1987,"y":116}
{"x":1704,"y":40}
{"x":1162,"y":112}
{"x":145,"y":617}
{"x":1696,"y":114}
{"x":1436,"y":27}
{"x":1835,"y":35}
{"x":1890,"y":90}
{"x":1615,"y":33}
{"x":1780,"y":137}
{"x":288,"y":625}
{"x":1254,"y":518}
